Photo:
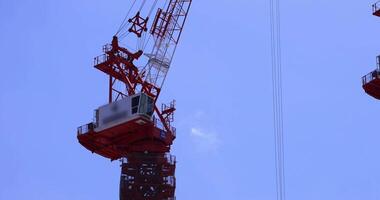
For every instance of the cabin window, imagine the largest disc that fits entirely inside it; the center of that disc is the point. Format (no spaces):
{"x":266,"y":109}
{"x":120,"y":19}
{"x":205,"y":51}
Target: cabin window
{"x":135,"y":104}
{"x":150,"y":107}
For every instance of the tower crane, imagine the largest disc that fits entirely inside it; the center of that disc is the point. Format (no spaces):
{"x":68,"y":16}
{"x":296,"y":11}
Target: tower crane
{"x":131,"y":127}
{"x":371,"y":81}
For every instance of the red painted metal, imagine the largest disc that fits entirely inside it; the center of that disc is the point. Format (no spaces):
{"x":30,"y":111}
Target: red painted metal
{"x":371,"y":82}
{"x":148,"y":177}
{"x":117,"y":62}
{"x":138,"y":135}
{"x":160,"y":24}
{"x":143,"y":142}
{"x":139,"y":24}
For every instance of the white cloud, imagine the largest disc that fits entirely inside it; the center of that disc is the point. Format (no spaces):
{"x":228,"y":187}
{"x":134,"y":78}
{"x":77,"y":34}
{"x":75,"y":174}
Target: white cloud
{"x":197,"y":132}
{"x":201,"y":131}
{"x":205,"y":141}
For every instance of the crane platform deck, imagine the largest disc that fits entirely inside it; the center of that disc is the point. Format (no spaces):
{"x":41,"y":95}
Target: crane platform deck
{"x":136,"y":135}
{"x":371,"y":84}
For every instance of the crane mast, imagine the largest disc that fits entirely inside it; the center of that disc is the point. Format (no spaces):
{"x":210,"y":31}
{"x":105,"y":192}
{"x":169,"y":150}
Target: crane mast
{"x":131,"y":127}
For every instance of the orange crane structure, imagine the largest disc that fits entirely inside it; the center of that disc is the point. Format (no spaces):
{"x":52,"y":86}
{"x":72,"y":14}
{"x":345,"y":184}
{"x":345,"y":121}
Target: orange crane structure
{"x":131,"y":127}
{"x":371,"y":81}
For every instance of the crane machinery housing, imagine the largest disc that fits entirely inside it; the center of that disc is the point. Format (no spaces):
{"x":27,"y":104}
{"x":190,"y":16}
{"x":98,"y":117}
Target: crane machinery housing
{"x":131,"y":127}
{"x":371,"y":81}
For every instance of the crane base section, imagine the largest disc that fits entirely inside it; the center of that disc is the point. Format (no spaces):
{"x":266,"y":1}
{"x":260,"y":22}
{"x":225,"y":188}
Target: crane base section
{"x":137,"y":135}
{"x":371,"y":84}
{"x":147,"y":176}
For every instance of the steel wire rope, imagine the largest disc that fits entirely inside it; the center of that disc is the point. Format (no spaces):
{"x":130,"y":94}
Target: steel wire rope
{"x":144,"y":43}
{"x":274,"y":85}
{"x":146,"y":68}
{"x":144,"y":34}
{"x":139,"y":39}
{"x":165,"y":4}
{"x":275,"y":26}
{"x":279,"y":54}
{"x":123,"y":35}
{"x":142,"y":5}
{"x":123,"y":23}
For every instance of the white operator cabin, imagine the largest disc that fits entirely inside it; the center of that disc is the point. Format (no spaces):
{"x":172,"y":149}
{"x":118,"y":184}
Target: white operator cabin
{"x":124,"y":110}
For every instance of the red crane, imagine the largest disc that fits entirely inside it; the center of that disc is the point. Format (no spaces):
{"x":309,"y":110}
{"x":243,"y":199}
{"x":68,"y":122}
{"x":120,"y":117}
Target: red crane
{"x":371,"y":81}
{"x":131,"y":127}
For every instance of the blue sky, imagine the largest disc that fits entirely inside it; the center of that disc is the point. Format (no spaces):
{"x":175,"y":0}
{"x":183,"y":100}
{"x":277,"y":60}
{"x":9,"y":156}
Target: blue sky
{"x":221,"y":79}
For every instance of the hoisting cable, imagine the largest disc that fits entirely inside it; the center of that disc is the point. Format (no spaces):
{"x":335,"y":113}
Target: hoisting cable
{"x":142,"y":5}
{"x":145,"y":42}
{"x":150,"y":35}
{"x":138,"y":45}
{"x":275,"y":26}
{"x":125,"y":22}
{"x":144,"y":34}
{"x":123,"y":32}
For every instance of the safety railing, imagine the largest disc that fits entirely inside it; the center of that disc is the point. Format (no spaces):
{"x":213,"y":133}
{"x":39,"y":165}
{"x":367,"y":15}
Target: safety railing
{"x":170,"y":180}
{"x":124,"y":160}
{"x":371,"y":76}
{"x":157,"y":123}
{"x":376,"y":7}
{"x":174,"y":131}
{"x":100,"y":59}
{"x":86,"y":128}
{"x":107,"y":48}
{"x":169,"y":111}
{"x":171,"y":159}
{"x":105,"y":57}
{"x":128,"y":178}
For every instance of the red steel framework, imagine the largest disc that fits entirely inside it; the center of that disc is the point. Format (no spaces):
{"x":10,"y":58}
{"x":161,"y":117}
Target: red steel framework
{"x":371,"y":81}
{"x":143,"y":143}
